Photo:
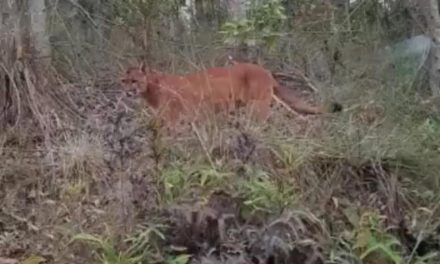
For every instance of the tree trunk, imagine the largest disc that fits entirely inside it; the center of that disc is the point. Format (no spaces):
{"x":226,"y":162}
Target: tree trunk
{"x":434,"y":29}
{"x":24,"y":90}
{"x":10,"y":50}
{"x":187,"y":14}
{"x":38,"y":35}
{"x":237,"y":8}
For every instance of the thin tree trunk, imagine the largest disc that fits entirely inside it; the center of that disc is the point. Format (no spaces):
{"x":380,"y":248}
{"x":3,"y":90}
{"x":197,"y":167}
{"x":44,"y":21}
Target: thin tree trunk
{"x":187,"y":12}
{"x":38,"y":35}
{"x":10,"y":50}
{"x":434,"y":28}
{"x":237,"y":8}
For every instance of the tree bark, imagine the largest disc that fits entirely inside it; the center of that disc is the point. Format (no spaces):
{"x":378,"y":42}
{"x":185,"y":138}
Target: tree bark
{"x":187,"y":12}
{"x":237,"y":8}
{"x":38,"y":34}
{"x":434,"y":29}
{"x":10,"y":50}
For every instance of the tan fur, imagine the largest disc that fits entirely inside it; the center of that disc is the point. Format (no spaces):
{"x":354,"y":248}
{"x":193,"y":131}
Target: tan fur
{"x":186,"y":96}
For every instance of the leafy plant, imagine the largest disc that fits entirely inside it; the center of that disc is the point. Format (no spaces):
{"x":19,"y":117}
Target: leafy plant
{"x":177,"y":179}
{"x":209,"y":177}
{"x":144,"y":245}
{"x":430,"y":132}
{"x":371,"y":240}
{"x":179,"y":259}
{"x":262,"y":194}
{"x":290,"y":155}
{"x":146,"y":241}
{"x":260,"y":27}
{"x":239,"y":32}
{"x":343,"y":253}
{"x":108,"y":253}
{"x":174,"y":182}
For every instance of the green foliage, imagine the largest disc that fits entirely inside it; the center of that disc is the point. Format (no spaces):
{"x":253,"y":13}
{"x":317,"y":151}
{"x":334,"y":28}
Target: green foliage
{"x":343,"y":253}
{"x":178,"y":178}
{"x":146,"y":241}
{"x":238,"y":32}
{"x":108,"y":253}
{"x":144,"y":246}
{"x":262,"y":194}
{"x":180,"y":259}
{"x":371,"y":239}
{"x":174,"y":182}
{"x":261,"y":27}
{"x":290,"y":155}
{"x":129,"y":12}
{"x":367,"y":243}
{"x":268,"y":15}
{"x":430,"y":134}
{"x":33,"y":259}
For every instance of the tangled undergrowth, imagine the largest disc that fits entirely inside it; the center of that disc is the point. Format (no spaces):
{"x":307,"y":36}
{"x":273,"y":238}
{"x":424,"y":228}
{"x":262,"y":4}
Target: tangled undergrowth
{"x":353,"y":188}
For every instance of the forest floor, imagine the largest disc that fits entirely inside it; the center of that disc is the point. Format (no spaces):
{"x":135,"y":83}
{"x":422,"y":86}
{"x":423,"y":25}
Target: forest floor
{"x":353,"y":187}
